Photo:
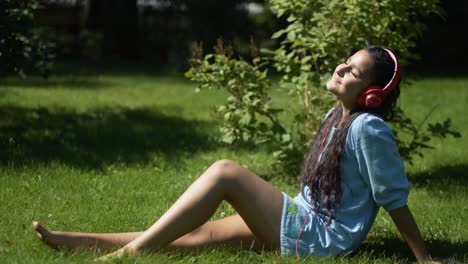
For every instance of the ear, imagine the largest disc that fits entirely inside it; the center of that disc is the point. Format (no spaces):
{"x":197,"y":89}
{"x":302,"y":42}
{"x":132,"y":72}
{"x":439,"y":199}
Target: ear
{"x":371,"y":97}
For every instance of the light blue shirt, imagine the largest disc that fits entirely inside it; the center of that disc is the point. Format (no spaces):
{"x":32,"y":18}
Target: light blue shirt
{"x":372,"y":175}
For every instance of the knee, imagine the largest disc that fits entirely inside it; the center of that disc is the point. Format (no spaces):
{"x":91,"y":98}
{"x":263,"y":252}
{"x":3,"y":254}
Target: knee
{"x":225,"y":169}
{"x":224,"y":166}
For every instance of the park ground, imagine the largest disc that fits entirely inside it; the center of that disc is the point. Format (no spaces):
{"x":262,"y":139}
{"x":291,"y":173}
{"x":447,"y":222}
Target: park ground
{"x":109,"y":150}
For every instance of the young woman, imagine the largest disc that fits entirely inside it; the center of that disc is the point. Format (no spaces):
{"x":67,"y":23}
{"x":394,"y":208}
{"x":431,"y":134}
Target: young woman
{"x":351,"y":170}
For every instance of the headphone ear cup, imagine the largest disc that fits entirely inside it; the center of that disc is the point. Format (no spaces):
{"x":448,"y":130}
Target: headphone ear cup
{"x":371,"y":97}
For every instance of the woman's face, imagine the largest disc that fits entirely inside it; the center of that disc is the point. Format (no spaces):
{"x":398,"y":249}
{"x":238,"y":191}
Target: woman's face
{"x":351,"y":77}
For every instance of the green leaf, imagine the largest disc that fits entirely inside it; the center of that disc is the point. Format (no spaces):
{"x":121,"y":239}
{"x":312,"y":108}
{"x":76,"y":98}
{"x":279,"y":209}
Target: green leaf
{"x":228,"y":138}
{"x":227,"y":116}
{"x":286,"y":138}
{"x":245,"y":119}
{"x":278,"y":34}
{"x":278,"y":153}
{"x":291,"y":36}
{"x":189,"y":74}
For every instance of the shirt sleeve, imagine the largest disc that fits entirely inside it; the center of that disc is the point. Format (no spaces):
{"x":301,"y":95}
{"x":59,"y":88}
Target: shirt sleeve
{"x":379,"y":162}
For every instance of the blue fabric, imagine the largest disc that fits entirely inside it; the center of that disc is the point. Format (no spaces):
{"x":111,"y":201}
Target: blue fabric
{"x":372,"y":175}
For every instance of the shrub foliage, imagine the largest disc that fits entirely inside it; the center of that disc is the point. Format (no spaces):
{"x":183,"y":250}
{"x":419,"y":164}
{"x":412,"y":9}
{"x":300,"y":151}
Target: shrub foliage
{"x":20,"y":48}
{"x":319,"y":35}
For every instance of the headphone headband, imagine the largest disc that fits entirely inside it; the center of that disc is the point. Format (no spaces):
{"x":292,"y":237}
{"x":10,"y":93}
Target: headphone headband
{"x":374,"y":96}
{"x":396,"y":74}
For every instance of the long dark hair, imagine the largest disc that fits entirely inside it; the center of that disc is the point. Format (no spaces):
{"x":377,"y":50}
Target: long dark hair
{"x":323,"y":177}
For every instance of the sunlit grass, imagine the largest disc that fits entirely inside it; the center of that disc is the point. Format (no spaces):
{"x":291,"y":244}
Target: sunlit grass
{"x":111,"y":152}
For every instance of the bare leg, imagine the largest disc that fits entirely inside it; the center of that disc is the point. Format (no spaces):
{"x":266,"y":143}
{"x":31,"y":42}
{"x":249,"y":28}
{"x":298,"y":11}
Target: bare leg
{"x":230,"y":231}
{"x":78,"y":240}
{"x":257,"y":202}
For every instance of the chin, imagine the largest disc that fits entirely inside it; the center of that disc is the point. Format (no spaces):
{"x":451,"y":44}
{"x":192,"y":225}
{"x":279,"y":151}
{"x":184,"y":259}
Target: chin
{"x":331,"y":88}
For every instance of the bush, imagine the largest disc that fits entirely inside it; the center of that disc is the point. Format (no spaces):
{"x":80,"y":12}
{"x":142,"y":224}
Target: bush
{"x":319,"y":35}
{"x":20,"y":48}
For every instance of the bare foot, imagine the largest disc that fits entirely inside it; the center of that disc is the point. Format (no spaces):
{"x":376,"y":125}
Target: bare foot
{"x":44,"y":235}
{"x":127,"y":250}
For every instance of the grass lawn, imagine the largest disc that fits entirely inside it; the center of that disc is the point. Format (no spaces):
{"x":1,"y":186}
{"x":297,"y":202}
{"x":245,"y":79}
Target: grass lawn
{"x":110,"y":152}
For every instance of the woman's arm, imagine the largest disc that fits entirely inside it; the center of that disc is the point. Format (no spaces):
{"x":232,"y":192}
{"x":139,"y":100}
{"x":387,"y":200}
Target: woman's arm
{"x":408,"y":228}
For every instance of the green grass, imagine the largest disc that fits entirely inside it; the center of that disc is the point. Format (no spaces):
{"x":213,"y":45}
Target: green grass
{"x":110,"y":152}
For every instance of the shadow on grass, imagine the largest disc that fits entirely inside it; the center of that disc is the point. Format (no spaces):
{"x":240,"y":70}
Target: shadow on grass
{"x":69,"y":82}
{"x":442,"y":178}
{"x":93,"y":139}
{"x":391,"y":247}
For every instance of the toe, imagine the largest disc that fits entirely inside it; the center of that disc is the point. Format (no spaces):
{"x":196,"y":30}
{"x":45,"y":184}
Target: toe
{"x":36,"y":225}
{"x":40,"y":231}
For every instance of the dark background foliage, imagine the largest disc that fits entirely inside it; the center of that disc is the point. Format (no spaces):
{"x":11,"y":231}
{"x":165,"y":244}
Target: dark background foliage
{"x":160,"y":32}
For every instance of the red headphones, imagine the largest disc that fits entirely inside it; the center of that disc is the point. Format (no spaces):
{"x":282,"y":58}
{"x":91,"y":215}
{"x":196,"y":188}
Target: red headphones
{"x":374,"y":96}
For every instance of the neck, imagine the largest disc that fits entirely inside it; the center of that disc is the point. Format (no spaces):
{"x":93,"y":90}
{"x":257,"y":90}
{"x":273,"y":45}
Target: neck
{"x":346,"y":112}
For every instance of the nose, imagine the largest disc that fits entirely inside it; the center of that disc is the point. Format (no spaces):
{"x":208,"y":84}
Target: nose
{"x":341,"y":69}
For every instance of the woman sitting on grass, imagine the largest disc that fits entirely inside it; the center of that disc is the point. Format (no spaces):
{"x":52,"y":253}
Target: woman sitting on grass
{"x":352,"y":168}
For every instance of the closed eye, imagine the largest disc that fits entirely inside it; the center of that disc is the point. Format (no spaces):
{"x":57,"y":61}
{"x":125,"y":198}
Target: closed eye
{"x":351,"y":71}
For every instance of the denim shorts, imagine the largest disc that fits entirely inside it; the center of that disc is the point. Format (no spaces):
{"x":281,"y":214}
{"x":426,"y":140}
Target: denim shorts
{"x":316,"y":239}
{"x":292,"y":220}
